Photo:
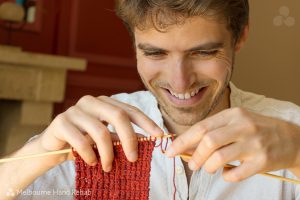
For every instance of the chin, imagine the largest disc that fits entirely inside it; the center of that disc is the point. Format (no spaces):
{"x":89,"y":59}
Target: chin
{"x":186,"y":116}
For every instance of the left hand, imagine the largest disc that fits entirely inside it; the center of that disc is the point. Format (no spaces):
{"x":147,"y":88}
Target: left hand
{"x":260,"y":143}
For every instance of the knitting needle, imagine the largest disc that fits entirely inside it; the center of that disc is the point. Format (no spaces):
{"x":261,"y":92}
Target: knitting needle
{"x":185,"y":156}
{"x":188,"y":157}
{"x":4,"y":160}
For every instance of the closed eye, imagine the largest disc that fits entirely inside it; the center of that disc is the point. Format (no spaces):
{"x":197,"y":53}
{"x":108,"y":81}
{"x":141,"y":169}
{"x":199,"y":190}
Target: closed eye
{"x":154,"y":53}
{"x":205,"y":53}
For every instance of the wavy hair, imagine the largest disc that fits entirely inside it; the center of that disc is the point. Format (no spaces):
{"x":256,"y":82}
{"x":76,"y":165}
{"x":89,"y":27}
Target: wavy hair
{"x":160,"y":14}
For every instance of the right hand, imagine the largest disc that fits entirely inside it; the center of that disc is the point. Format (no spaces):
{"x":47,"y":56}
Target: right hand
{"x":85,"y":123}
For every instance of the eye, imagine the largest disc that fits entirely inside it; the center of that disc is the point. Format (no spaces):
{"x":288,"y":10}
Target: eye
{"x":154,"y":53}
{"x":205,"y":53}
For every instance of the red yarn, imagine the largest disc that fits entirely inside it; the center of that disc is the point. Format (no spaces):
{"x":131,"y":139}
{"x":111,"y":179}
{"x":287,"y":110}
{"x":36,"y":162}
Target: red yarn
{"x":174,"y":173}
{"x":126,"y":180}
{"x":163,"y":149}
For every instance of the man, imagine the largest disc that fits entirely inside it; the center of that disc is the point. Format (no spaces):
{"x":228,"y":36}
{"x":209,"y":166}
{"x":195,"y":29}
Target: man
{"x":185,"y":56}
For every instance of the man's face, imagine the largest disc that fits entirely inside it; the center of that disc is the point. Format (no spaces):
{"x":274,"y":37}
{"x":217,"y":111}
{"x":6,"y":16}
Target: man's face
{"x":187,"y":68}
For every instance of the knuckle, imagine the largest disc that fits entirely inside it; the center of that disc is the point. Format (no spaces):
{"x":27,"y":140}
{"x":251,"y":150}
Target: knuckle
{"x":82,"y":145}
{"x":220,"y":157}
{"x":73,"y":110}
{"x":102,"y":97}
{"x":61,"y":119}
{"x":180,"y":142}
{"x":103,"y":134}
{"x":210,"y":141}
{"x":198,"y":153}
{"x":133,"y":109}
{"x":85,"y":99}
{"x":119,"y":114}
{"x":202,"y":129}
{"x":240,"y":111}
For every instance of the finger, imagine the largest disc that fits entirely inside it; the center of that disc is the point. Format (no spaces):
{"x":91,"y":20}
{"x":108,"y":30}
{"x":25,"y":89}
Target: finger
{"x":221,"y":157}
{"x":137,"y":117}
{"x":70,"y":156}
{"x":119,"y":119}
{"x":245,"y":170}
{"x":69,"y":133}
{"x":211,"y":142}
{"x":127,"y":136}
{"x":193,"y":136}
{"x":98,"y":132}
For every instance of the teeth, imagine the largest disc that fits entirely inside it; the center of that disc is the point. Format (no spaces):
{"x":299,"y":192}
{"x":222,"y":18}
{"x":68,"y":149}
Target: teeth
{"x":186,"y":95}
{"x":181,"y":96}
{"x":193,"y":93}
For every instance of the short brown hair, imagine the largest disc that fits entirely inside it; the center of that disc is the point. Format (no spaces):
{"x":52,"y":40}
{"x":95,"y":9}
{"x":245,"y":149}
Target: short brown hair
{"x":160,"y":14}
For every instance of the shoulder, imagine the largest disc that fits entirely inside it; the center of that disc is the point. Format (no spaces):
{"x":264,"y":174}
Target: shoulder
{"x":267,"y":106}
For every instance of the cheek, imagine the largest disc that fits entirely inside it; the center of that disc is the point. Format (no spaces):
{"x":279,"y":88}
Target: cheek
{"x":148,"y":70}
{"x":216,"y":69}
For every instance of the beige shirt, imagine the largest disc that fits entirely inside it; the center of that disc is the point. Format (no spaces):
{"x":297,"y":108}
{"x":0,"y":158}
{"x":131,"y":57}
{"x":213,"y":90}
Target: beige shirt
{"x":58,"y":183}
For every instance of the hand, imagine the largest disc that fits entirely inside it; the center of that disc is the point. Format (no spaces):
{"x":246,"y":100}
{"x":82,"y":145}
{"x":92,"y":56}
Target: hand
{"x":260,"y":143}
{"x":85,"y":123}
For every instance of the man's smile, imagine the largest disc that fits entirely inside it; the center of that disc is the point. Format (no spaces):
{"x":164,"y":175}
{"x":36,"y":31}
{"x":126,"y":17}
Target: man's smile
{"x":189,"y":98}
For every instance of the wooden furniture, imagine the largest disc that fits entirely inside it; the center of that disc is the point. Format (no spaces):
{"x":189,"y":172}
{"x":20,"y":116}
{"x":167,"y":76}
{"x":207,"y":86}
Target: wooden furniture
{"x":30,"y":84}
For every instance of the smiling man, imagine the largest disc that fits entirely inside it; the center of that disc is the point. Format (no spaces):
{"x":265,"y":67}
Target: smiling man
{"x":185,"y":54}
{"x":189,"y":77}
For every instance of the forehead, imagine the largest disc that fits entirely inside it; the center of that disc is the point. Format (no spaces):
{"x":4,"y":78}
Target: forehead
{"x":181,"y":36}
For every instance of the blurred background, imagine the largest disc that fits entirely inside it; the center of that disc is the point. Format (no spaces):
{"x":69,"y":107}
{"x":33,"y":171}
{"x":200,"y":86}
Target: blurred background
{"x":52,"y":52}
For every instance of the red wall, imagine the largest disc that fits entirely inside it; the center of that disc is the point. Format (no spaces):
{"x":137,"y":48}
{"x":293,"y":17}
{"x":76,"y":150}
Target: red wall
{"x":87,"y":29}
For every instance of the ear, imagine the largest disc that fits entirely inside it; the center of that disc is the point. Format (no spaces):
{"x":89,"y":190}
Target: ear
{"x":241,"y":42}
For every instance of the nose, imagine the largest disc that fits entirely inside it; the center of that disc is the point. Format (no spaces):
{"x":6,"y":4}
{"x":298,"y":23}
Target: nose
{"x":180,"y":75}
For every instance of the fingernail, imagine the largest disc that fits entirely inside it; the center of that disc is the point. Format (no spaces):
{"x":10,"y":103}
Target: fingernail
{"x":159,"y":132}
{"x":108,"y":169}
{"x":132,"y":156}
{"x":94,"y":163}
{"x":170,"y":152}
{"x":192,"y":165}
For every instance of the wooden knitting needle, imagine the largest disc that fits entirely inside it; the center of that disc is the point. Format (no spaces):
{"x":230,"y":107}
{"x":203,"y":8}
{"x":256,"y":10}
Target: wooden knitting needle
{"x":4,"y":160}
{"x":188,"y":157}
{"x":185,"y":156}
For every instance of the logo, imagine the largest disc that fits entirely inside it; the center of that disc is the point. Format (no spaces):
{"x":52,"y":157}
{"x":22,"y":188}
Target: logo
{"x":10,"y":193}
{"x":284,"y":18}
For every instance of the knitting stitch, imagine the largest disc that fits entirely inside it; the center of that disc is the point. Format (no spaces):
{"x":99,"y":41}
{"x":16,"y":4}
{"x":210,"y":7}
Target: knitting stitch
{"x":126,"y":180}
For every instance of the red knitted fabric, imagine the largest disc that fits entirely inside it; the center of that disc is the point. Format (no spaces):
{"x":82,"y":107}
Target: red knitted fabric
{"x":126,"y":180}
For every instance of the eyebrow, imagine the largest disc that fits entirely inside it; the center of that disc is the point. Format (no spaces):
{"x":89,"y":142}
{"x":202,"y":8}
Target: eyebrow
{"x":201,"y":47}
{"x":149,"y":47}
{"x":207,"y":46}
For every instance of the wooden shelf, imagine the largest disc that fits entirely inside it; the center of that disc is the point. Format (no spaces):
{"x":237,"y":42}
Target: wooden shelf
{"x":30,"y":83}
